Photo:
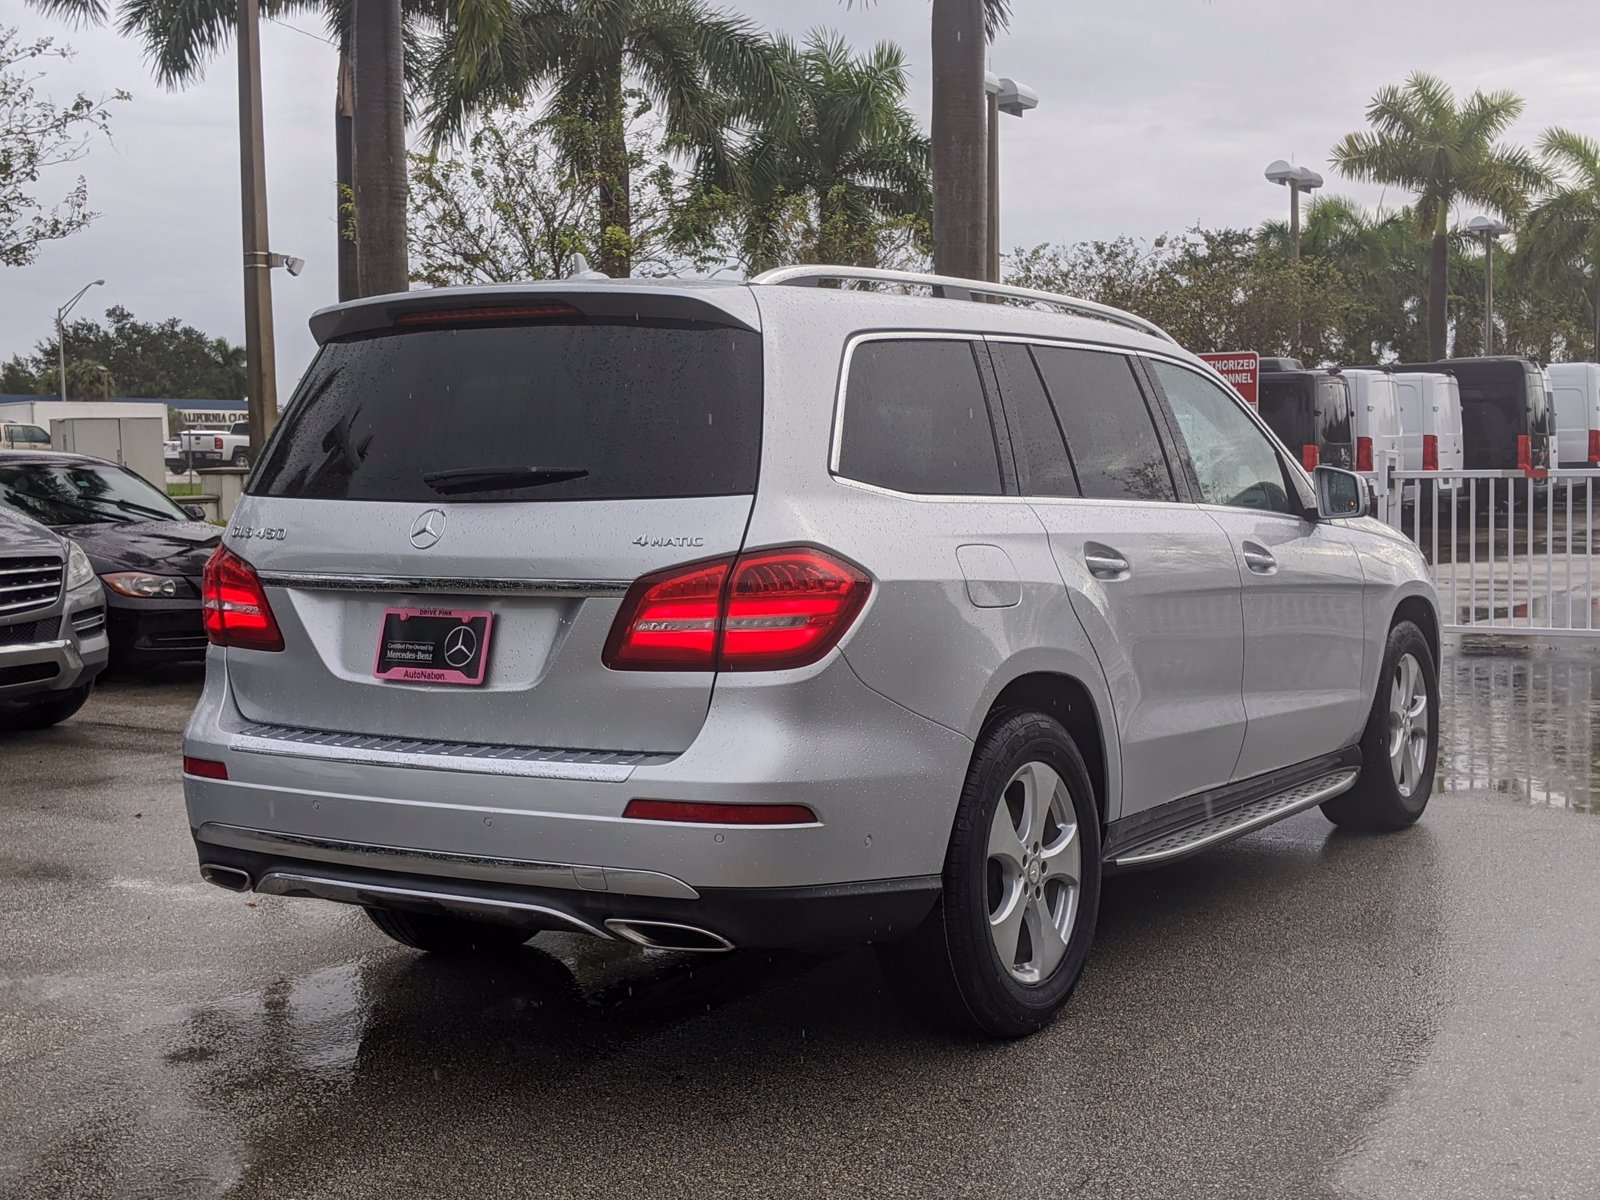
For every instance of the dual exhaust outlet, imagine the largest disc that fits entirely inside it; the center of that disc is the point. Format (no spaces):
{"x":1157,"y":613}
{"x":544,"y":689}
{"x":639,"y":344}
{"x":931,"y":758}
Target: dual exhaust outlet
{"x":652,"y":935}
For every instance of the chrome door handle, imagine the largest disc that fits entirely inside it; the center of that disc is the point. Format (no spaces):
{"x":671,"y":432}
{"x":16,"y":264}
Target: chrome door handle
{"x":1104,"y":562}
{"x":1259,"y":560}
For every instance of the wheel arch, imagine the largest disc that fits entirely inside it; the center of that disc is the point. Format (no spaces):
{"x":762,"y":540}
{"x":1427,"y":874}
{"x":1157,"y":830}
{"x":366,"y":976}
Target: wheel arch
{"x":1420,"y":611}
{"x":1070,"y":701}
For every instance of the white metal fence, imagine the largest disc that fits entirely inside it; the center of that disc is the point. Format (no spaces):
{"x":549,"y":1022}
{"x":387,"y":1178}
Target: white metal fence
{"x":1510,"y":553}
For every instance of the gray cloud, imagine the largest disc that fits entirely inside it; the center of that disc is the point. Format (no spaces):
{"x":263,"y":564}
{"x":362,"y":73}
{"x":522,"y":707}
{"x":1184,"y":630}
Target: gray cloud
{"x":1155,"y":115}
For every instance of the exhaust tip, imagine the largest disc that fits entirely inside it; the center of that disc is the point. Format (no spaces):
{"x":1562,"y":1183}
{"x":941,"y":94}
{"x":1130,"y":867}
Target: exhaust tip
{"x":231,"y":878}
{"x":669,"y":935}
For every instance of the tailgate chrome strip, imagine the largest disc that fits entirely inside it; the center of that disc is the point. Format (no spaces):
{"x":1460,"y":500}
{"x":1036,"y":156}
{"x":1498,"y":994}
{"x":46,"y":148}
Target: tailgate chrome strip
{"x":321,"y":581}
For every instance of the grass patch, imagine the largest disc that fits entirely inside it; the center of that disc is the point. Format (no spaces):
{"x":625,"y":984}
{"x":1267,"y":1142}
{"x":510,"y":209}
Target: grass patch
{"x":183,"y":489}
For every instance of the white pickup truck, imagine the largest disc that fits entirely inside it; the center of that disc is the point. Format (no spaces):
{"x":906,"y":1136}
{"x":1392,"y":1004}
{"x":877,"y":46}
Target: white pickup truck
{"x":213,"y":447}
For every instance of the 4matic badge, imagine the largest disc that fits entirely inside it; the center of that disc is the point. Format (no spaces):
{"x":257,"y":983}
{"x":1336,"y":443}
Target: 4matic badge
{"x":690,"y":542}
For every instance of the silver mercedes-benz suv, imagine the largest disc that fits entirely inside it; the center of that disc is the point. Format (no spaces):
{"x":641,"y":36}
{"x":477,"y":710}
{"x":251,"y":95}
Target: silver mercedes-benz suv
{"x":722,"y":615}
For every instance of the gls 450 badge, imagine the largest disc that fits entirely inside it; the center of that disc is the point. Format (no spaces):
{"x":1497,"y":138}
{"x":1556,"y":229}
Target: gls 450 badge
{"x":690,"y":542}
{"x":245,"y":532}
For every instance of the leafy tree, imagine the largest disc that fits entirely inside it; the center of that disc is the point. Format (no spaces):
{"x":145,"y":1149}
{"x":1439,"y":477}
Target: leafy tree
{"x":35,"y":135}
{"x":1562,"y":235}
{"x":703,"y":72}
{"x":843,"y":177}
{"x":1211,"y":289}
{"x":1423,"y":140}
{"x":506,"y":206}
{"x":165,"y":359}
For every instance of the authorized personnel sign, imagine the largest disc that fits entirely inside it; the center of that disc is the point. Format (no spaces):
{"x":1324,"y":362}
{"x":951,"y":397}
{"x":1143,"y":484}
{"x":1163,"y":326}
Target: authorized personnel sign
{"x":1242,"y":368}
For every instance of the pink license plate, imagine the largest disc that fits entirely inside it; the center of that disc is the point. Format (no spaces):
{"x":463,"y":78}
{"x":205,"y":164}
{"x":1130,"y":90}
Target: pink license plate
{"x":434,"y":645}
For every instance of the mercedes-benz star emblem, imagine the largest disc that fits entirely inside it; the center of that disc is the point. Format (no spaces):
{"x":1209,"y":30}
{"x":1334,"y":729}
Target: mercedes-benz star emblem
{"x":460,"y":644}
{"x":428,"y":528}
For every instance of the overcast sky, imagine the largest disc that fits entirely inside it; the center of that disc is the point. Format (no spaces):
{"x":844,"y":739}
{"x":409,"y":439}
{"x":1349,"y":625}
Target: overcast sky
{"x":1154,"y":115}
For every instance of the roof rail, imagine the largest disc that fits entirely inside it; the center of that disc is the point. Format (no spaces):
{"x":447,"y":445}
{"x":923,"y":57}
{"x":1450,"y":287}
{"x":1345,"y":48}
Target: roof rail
{"x":952,"y":288}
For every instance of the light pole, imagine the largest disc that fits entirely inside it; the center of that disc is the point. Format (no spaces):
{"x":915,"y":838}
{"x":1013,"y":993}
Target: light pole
{"x":61,"y":334}
{"x":1297,"y":180}
{"x":1012,"y":98}
{"x":1491,"y":230}
{"x":261,"y":386}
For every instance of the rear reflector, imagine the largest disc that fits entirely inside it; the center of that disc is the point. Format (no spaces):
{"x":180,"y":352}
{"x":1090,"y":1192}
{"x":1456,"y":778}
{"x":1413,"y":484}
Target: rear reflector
{"x":1364,"y":454}
{"x":694,"y":812}
{"x":1430,"y":452}
{"x":767,"y":610}
{"x":234,"y":605}
{"x":467,"y":316}
{"x":206,"y":768}
{"x":1309,"y":457}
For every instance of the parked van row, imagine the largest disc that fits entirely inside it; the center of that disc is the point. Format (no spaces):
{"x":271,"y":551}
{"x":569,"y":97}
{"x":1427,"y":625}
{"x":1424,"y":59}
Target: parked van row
{"x":1495,"y":413}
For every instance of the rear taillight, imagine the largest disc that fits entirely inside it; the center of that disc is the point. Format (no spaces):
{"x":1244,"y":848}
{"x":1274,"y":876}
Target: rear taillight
{"x":216,"y":443}
{"x":1309,"y":458}
{"x":1524,"y":452}
{"x":767,"y":610}
{"x":1364,"y":454}
{"x":1594,"y":447}
{"x":1430,"y":452}
{"x":234,"y":605}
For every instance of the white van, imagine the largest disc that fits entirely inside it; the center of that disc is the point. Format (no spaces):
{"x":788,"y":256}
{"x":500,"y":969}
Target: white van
{"x":1576,"y":388}
{"x":1430,"y":424}
{"x":1375,"y":414}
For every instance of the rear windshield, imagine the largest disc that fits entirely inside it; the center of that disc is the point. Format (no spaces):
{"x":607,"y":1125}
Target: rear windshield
{"x":1333,"y":412}
{"x":1285,"y":407}
{"x":647,"y":410}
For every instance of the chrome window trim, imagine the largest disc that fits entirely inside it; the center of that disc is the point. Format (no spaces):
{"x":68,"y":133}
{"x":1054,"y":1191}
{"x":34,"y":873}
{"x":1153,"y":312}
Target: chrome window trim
{"x":322,"y":581}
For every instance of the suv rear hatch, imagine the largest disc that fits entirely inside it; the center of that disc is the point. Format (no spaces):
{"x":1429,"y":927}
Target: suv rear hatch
{"x":528,"y":457}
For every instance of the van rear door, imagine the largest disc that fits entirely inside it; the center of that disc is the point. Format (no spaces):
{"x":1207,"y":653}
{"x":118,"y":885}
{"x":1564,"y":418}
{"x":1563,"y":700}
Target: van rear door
{"x":515,"y":467}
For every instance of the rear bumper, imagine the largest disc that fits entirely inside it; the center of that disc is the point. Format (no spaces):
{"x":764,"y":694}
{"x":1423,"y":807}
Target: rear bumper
{"x":743,"y":918}
{"x":883,"y":782}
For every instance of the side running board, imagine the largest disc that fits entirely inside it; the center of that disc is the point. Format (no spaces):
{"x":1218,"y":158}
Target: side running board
{"x":1211,"y":829}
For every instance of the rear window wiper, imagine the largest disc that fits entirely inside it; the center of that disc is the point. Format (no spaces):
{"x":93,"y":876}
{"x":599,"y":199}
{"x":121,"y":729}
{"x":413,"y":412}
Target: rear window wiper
{"x":498,"y":479}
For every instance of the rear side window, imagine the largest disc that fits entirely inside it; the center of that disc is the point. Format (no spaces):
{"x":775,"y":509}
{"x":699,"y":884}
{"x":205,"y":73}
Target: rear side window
{"x":915,"y":419}
{"x":1110,"y":433}
{"x":1036,"y":436}
{"x":643,"y":410}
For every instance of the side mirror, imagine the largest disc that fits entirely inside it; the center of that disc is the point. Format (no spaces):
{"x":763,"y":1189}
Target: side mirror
{"x":1341,"y":494}
{"x":195,"y":511}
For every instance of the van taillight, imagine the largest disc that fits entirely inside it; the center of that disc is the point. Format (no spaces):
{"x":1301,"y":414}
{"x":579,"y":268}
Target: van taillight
{"x":1309,"y":457}
{"x":1524,"y":452}
{"x":1594,"y":447}
{"x":1363,"y":454}
{"x":1430,"y":452}
{"x":234,"y":605}
{"x":766,"y":610}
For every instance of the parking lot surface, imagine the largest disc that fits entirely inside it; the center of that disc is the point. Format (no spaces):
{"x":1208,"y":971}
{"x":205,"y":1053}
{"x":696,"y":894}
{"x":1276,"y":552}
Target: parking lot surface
{"x":1302,"y":1013}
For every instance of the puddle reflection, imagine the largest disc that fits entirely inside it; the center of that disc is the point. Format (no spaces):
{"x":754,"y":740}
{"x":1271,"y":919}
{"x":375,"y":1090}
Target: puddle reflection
{"x":1521,"y":722}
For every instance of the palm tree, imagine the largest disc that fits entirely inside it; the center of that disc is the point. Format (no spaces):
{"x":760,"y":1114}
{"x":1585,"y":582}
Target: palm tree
{"x":181,"y":36}
{"x":703,"y":70}
{"x":1422,"y":140}
{"x":850,"y":154}
{"x":1564,"y":230}
{"x":961,"y":30}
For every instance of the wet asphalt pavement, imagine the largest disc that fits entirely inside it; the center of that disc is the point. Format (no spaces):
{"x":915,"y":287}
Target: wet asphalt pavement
{"x":1302,"y":1013}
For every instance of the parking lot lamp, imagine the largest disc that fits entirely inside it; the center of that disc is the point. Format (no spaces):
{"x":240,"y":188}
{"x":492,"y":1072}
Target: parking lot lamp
{"x":61,"y":333}
{"x":1297,"y":180}
{"x":1491,"y":230}
{"x":1012,"y":98}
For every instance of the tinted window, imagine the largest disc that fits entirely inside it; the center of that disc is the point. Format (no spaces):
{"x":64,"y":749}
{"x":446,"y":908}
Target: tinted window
{"x":1235,"y":463}
{"x":1036,"y":437}
{"x":1286,"y":405}
{"x":68,"y":493}
{"x":647,"y":410}
{"x":1333,"y":412}
{"x":1539,"y":402}
{"x":915,"y":419}
{"x":1110,"y":434}
{"x":27,"y":435}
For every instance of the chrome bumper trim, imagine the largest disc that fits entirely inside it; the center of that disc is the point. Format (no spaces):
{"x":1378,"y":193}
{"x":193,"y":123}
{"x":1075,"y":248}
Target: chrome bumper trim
{"x":517,"y":871}
{"x":528,"y":762}
{"x":341,"y":891}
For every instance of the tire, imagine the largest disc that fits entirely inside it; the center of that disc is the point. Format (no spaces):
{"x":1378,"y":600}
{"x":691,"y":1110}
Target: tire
{"x":1393,"y":789}
{"x":241,"y":459}
{"x":439,"y":934}
{"x":1026,"y":776}
{"x":45,"y":711}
